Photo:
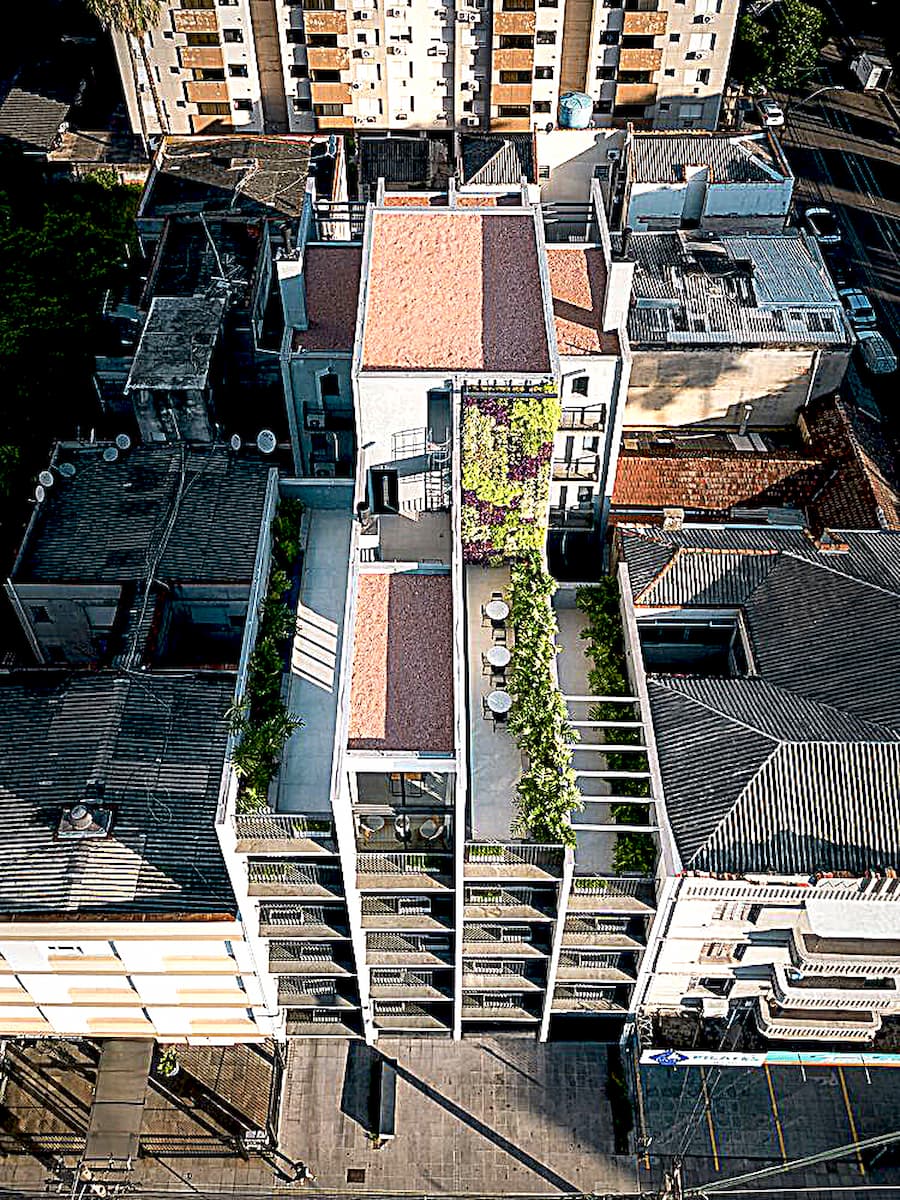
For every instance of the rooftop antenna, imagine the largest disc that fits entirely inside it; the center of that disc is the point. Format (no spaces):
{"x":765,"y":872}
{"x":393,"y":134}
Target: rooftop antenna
{"x":266,"y":441}
{"x":46,"y":479}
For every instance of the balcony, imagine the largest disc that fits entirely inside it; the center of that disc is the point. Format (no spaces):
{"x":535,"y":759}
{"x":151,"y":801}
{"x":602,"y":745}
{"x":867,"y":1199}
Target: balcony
{"x":584,"y":468}
{"x":514,"y":904}
{"x":492,"y":860}
{"x":404,"y":872}
{"x":403,"y":1016}
{"x":504,"y":941}
{"x":828,"y":1025}
{"x":598,"y":933}
{"x":645,"y":24}
{"x":309,"y":958}
{"x":612,"y":894}
{"x":294,"y":879}
{"x":505,"y":1006}
{"x":502,"y":976}
{"x":587,"y":419}
{"x":793,"y":989}
{"x":326,"y":22}
{"x":406,"y":914}
{"x":304,"y":992}
{"x":284,"y":834}
{"x":411,"y":985}
{"x":583,"y":967}
{"x":403,"y":830}
{"x":399,"y":950}
{"x":324,"y":923}
{"x":321,"y":1022}
{"x":575,"y":998}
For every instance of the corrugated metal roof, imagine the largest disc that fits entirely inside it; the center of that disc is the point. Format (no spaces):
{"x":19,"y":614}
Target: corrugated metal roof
{"x":497,"y":160}
{"x":730,"y":158}
{"x":768,"y":289}
{"x":394,"y":159}
{"x":99,"y":525}
{"x":704,"y":577}
{"x":152,"y":749}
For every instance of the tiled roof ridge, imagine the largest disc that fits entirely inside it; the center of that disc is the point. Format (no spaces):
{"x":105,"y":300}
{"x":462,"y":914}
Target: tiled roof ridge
{"x":688,"y":696}
{"x":661,"y":574}
{"x":818,"y":560}
{"x":682,"y":551}
{"x":777,"y":749}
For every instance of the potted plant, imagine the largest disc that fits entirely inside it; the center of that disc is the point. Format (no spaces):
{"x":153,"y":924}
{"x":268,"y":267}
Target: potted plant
{"x":168,"y":1066}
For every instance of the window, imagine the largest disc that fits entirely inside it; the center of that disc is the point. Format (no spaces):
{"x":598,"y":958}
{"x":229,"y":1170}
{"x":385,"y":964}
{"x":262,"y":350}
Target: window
{"x":301,"y":106}
{"x":718,"y":987}
{"x":299,"y":72}
{"x":319,"y":5}
{"x":295,"y":37}
{"x":515,"y":41}
{"x":518,"y":5}
{"x":669,"y":72}
{"x":580,"y":385}
{"x":590,"y":444}
{"x":39,"y":614}
{"x":609,"y":37}
{"x":514,"y":110}
{"x":515,"y":77}
{"x":634,"y":111}
{"x":208,"y":109}
{"x":635,"y":77}
{"x":721,"y":951}
{"x":326,"y":76}
{"x":209,"y":74}
{"x":228,"y":3}
{"x":237,"y":71}
{"x":603,"y":106}
{"x":690,"y":110}
{"x":174,"y":70}
{"x":232,"y":35}
{"x":543,"y":72}
{"x":327,"y":41}
{"x":197,"y":4}
{"x":546,"y":37}
{"x":664,"y":107}
{"x":703,"y":75}
{"x":242,"y":105}
{"x":637,"y":42}
{"x":202,"y":39}
{"x":328,"y":110}
{"x":541,"y":106}
{"x":585,"y":495}
{"x":606,"y":72}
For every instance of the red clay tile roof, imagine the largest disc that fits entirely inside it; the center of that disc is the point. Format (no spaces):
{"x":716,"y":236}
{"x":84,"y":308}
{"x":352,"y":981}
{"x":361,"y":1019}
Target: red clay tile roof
{"x":577,"y":284}
{"x":714,"y":483}
{"x":454,"y":289}
{"x":401,"y":695}
{"x":332,"y":293}
{"x":863,"y":490}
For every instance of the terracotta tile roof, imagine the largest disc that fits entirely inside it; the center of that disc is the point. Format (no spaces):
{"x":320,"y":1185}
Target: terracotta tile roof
{"x":457,"y":290}
{"x":401,"y":694}
{"x":577,"y":284}
{"x":863,"y":490}
{"x":332,"y":294}
{"x":714,"y":483}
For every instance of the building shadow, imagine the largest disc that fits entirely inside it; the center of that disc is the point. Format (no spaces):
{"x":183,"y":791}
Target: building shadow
{"x":356,"y":1091}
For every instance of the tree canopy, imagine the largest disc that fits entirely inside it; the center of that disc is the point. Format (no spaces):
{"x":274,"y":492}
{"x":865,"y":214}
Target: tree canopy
{"x":127,"y":16}
{"x":785,"y":51}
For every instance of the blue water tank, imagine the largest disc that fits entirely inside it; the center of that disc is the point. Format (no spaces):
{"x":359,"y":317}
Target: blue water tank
{"x":575,"y":110}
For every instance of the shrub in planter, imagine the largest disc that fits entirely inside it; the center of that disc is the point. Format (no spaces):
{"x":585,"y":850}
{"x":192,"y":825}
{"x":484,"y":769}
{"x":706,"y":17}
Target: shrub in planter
{"x":168,"y":1066}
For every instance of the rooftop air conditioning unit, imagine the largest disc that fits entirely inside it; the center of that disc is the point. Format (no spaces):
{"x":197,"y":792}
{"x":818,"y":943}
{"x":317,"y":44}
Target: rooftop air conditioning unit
{"x":470,"y":121}
{"x":462,"y":16}
{"x":613,"y":155}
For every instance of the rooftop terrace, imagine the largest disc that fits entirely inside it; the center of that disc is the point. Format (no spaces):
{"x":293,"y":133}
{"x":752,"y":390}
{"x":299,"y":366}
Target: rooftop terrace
{"x":402,"y":684}
{"x":454,"y":289}
{"x":577,"y":285}
{"x":332,"y":294}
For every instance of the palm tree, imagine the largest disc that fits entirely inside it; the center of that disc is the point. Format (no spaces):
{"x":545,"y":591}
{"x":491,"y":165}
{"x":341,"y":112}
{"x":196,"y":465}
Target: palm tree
{"x":133,"y":19}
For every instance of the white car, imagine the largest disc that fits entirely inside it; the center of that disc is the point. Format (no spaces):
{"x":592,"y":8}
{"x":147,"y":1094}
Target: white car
{"x":822,"y":224}
{"x":770,"y":113}
{"x":859,"y":308}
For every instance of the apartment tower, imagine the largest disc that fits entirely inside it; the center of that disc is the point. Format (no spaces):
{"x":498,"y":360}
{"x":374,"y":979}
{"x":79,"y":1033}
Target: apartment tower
{"x":271,"y":66}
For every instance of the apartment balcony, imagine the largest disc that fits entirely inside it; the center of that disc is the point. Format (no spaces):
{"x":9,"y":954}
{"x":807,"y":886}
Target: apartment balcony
{"x":586,"y":467}
{"x":407,"y":914}
{"x":645,"y":24}
{"x":612,"y":894}
{"x":504,"y":977}
{"x":504,"y":941}
{"x":319,"y":21}
{"x":583,"y":998}
{"x":587,"y":420}
{"x":598,"y":933}
{"x":320,"y":923}
{"x":512,"y":904}
{"x":404,"y":872}
{"x":411,"y":985}
{"x":398,"y":950}
{"x":794,"y":989}
{"x":294,"y":879}
{"x":322,"y":1023}
{"x":493,"y":860}
{"x":310,"y":959}
{"x":303,"y":992}
{"x":197,"y":20}
{"x":500,"y":1006}
{"x":404,"y":831}
{"x":827,"y":1025}
{"x":404,"y":1016}
{"x":586,"y":967}
{"x":280,"y":834}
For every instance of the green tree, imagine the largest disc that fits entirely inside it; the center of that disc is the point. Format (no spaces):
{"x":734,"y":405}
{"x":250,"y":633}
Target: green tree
{"x":785,"y":54}
{"x":134,"y":19}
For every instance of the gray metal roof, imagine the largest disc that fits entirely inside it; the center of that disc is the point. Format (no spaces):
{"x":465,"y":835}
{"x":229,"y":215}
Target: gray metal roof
{"x":395,"y":160}
{"x":797,"y":767}
{"x":729,"y":157}
{"x":763,"y":289}
{"x":152,"y":750}
{"x":497,"y":160}
{"x":99,"y":526}
{"x":177,"y":343}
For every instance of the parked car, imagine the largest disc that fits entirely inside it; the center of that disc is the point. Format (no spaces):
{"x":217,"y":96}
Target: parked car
{"x":822,"y":224}
{"x":859,"y":308}
{"x":876,"y":352}
{"x":770,"y":112}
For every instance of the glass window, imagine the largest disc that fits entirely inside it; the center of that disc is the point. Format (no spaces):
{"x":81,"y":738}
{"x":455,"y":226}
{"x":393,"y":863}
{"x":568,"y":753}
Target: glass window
{"x":232,"y":35}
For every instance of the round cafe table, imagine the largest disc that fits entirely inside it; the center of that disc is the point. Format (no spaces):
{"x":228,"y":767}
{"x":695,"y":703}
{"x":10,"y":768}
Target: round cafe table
{"x":498,"y":656}
{"x":499,"y":702}
{"x":497,"y":610}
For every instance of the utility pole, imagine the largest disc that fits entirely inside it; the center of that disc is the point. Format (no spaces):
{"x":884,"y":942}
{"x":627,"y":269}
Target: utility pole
{"x":672,"y":1184}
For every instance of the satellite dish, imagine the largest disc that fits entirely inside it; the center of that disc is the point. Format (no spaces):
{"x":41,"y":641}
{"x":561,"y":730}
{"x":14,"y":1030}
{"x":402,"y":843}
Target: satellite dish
{"x":46,"y":478}
{"x":110,"y":454}
{"x":123,"y":441}
{"x":266,"y":441}
{"x":235,"y":443}
{"x":66,"y":469}
{"x":39,"y":493}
